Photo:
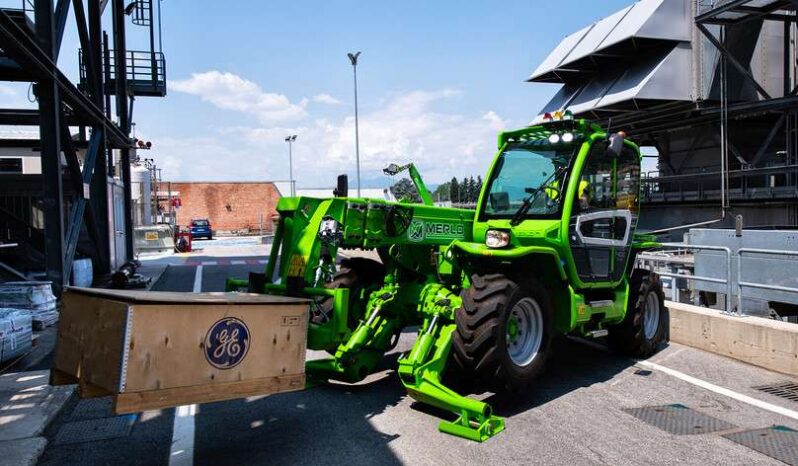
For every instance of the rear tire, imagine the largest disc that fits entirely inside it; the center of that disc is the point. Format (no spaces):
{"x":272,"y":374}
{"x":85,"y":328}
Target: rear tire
{"x":647,"y":320}
{"x":356,"y":274}
{"x":504,"y":332}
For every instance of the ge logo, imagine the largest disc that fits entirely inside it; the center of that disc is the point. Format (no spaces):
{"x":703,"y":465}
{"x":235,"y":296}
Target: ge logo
{"x":226,"y":343}
{"x":416,"y":231}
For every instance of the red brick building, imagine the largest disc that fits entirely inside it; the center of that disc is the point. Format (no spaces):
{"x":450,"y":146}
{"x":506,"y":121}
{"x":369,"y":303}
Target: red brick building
{"x":230,"y":206}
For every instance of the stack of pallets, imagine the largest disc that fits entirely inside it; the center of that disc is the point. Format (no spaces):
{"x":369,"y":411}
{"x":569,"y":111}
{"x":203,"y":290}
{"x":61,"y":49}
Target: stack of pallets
{"x":33,"y":298}
{"x":16,"y":334}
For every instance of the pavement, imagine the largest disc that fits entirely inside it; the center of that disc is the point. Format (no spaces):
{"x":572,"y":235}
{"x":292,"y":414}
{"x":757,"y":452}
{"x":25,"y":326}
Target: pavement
{"x":585,"y":410}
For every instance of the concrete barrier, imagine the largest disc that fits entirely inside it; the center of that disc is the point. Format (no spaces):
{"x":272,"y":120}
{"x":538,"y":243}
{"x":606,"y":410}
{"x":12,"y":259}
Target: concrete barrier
{"x":770,"y":344}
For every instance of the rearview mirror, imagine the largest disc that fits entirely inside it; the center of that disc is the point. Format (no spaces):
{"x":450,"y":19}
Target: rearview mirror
{"x":615,"y":146}
{"x":342,"y":189}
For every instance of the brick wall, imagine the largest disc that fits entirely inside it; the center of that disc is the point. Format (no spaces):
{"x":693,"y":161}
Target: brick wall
{"x":229,"y":206}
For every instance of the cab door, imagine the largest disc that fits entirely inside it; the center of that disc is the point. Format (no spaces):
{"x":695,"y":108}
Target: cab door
{"x":604,"y":215}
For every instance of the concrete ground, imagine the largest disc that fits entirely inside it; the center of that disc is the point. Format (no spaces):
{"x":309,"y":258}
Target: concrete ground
{"x":574,"y":414}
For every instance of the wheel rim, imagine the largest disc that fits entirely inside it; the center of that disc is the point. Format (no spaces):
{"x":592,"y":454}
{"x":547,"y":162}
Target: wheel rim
{"x":524,"y":331}
{"x":651,"y":315}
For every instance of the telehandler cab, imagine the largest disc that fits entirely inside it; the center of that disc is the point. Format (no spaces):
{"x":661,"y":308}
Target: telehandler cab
{"x":550,"y":250}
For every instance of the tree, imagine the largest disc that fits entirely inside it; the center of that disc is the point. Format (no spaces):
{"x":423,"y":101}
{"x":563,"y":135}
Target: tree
{"x":454,"y":190}
{"x":405,"y":190}
{"x":442,"y":193}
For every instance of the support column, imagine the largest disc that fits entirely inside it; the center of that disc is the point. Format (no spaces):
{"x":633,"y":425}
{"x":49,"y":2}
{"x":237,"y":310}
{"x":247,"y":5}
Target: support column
{"x":49,"y":103}
{"x":120,"y":51}
{"x":99,"y":182}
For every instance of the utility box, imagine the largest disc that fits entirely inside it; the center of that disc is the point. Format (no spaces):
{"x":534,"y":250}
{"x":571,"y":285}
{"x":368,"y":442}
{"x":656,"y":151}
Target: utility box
{"x":153,"y":350}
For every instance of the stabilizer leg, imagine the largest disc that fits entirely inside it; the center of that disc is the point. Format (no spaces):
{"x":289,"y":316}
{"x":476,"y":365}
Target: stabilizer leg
{"x":421,"y":373}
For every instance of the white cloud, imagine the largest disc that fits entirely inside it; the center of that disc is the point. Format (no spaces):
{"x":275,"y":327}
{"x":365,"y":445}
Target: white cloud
{"x":231,"y":92}
{"x":325,"y":99}
{"x":403,"y":127}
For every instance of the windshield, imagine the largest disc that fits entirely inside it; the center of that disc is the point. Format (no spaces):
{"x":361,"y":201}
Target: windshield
{"x":199,"y":223}
{"x":531,"y":174}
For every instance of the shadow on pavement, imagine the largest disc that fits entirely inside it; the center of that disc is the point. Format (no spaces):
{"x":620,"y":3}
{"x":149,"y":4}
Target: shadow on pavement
{"x":324,"y":425}
{"x":573,"y":365}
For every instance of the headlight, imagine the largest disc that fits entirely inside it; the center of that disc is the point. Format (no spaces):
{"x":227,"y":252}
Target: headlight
{"x":497,"y":239}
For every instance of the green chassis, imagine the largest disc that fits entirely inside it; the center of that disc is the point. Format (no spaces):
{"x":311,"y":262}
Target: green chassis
{"x":428,"y":253}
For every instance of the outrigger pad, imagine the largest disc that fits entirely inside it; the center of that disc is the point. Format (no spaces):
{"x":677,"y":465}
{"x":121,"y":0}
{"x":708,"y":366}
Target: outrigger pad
{"x":470,"y":430}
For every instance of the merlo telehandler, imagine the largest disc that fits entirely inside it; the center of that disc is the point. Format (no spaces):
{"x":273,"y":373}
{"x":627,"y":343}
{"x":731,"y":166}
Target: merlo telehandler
{"x":549,"y":251}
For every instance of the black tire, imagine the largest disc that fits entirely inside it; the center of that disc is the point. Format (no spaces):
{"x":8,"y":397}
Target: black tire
{"x":629,"y":338}
{"x":356,"y":274}
{"x":480,"y":340}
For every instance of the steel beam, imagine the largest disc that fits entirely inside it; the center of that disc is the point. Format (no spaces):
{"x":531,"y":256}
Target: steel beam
{"x":86,"y":46}
{"x":61,"y":13}
{"x":49,"y":104}
{"x":30,"y":55}
{"x":79,"y":205}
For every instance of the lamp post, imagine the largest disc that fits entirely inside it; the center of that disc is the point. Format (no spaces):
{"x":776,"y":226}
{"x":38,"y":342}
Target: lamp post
{"x":353,"y":59}
{"x":290,"y":140}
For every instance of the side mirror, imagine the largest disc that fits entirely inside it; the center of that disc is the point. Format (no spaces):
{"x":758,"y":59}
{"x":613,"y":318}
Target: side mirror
{"x":615,"y":146}
{"x":342,"y":189}
{"x":392,"y":169}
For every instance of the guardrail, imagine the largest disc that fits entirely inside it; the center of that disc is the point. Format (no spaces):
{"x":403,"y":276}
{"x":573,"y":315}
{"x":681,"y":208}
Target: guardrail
{"x":684,"y":246}
{"x":731,"y":296}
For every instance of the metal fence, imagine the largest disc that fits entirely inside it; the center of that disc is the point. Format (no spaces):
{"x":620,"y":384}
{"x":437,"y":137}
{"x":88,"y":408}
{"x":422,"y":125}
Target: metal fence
{"x":678,"y":258}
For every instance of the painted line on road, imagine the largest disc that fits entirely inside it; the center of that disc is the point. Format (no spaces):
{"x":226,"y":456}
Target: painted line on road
{"x":238,"y":262}
{"x":198,"y":279}
{"x":722,"y":390}
{"x":182,"y":450}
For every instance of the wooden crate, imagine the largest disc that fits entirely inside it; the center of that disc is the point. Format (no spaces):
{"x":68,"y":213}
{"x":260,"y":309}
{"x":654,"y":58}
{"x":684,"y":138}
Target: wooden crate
{"x":155,"y":350}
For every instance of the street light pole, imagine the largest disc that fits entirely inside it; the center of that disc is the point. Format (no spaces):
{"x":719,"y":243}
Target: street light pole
{"x":353,"y":59}
{"x":290,"y":140}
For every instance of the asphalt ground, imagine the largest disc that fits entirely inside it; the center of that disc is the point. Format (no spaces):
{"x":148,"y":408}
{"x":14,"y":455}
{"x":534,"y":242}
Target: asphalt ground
{"x":574,"y":414}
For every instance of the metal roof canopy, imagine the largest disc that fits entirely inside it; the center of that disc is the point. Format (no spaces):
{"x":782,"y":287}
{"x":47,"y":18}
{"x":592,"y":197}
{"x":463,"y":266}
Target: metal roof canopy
{"x":644,"y":27}
{"x":739,"y":11}
{"x":645,"y":83}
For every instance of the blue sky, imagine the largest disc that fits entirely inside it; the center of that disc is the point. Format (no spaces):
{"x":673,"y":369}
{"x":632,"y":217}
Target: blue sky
{"x":437,"y":80}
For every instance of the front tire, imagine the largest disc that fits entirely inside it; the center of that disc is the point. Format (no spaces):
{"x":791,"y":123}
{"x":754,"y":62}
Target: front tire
{"x":504,"y":331}
{"x":647,"y":320}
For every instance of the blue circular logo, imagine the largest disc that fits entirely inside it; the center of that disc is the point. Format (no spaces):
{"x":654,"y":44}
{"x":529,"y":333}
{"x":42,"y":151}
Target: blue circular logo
{"x":226,"y":343}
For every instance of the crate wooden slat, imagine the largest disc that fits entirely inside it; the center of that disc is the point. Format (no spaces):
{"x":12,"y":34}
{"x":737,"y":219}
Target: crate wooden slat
{"x":150,"y":350}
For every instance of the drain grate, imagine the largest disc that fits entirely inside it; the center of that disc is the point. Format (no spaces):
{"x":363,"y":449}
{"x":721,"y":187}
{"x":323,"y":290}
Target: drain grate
{"x":777,"y":442}
{"x":786,"y":390}
{"x":93,"y":408}
{"x":679,"y":419}
{"x":95,"y":429}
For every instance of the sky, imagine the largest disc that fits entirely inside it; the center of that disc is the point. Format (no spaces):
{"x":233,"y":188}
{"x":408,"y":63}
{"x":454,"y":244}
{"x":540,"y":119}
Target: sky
{"x":436,"y":81}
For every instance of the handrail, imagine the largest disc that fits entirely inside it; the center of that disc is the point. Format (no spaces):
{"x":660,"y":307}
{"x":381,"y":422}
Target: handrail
{"x":727,"y":281}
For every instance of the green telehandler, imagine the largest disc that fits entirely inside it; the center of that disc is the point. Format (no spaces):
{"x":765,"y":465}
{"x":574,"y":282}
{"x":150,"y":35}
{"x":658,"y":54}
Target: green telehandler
{"x":549,"y":251}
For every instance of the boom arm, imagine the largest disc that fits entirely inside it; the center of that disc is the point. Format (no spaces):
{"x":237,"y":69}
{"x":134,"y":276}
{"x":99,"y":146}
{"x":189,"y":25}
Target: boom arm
{"x":394,"y":169}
